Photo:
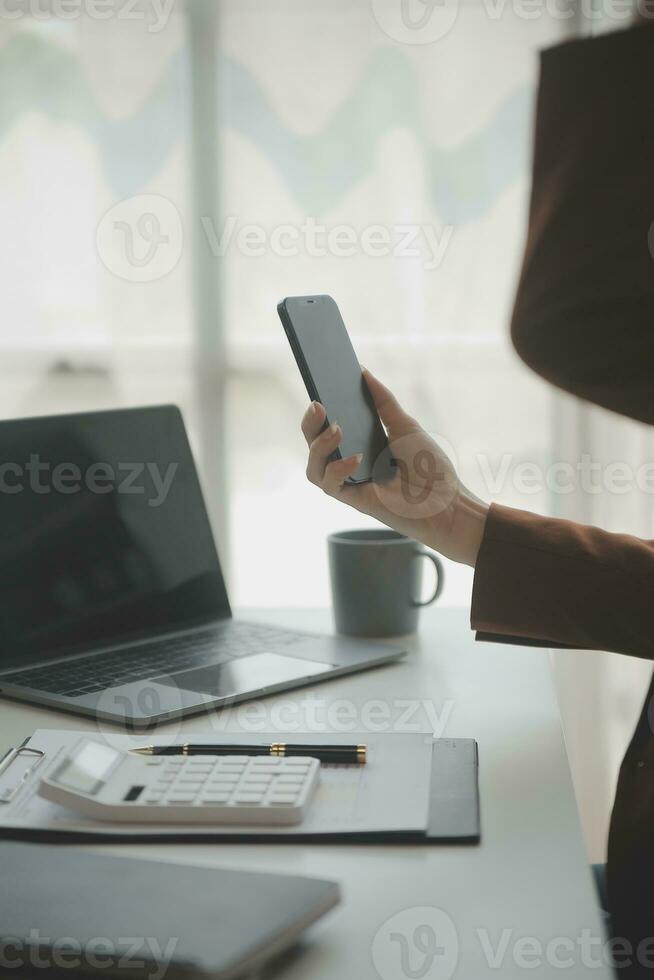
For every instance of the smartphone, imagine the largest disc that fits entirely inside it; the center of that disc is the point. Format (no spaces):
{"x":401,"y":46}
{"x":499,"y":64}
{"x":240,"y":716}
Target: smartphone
{"x":333,"y":377}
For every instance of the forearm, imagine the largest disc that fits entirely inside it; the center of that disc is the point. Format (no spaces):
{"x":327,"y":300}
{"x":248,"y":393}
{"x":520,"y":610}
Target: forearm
{"x":554,"y":580}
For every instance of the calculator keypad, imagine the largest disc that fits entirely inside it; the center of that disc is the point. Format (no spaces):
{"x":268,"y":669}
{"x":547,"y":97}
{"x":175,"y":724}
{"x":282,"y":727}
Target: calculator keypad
{"x":246,"y":788}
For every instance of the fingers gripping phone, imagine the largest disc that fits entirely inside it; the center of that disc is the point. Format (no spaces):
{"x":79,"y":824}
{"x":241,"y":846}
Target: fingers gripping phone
{"x":333,"y":377}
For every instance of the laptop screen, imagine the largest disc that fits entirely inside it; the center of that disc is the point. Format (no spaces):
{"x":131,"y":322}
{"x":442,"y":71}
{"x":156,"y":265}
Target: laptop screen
{"x":103,"y":532}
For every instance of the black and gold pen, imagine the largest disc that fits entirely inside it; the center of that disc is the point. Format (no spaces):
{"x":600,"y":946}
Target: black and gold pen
{"x":343,"y":754}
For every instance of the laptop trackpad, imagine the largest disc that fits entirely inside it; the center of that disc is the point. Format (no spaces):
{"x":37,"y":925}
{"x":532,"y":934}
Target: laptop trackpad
{"x":243,"y":674}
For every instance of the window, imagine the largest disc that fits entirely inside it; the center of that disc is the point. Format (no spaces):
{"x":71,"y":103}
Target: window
{"x":168,"y":176}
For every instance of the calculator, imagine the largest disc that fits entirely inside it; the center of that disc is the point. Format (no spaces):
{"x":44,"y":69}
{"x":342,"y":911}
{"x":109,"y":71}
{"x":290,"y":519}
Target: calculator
{"x":102,"y":782}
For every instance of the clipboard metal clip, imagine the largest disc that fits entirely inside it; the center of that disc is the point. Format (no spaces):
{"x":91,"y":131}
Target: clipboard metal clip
{"x":37,"y":757}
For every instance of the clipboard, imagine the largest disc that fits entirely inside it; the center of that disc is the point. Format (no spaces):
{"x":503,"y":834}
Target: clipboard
{"x":451,"y":816}
{"x":35,"y":756}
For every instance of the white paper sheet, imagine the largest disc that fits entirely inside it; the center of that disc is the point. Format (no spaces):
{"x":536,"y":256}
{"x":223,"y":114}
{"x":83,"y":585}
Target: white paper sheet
{"x":388,"y":794}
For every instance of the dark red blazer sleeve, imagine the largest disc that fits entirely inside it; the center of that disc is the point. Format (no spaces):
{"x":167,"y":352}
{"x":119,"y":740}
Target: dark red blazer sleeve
{"x":554,"y":580}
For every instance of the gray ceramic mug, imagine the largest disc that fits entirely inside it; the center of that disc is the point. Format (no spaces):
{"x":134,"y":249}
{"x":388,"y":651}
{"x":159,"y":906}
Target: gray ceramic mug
{"x":376,"y":581}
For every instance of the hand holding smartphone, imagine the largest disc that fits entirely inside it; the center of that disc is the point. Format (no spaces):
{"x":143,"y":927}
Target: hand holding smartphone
{"x":332,"y":375}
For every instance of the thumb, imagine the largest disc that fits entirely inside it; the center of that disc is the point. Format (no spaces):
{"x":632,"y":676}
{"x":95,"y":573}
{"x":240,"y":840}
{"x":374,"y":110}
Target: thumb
{"x":390,"y":411}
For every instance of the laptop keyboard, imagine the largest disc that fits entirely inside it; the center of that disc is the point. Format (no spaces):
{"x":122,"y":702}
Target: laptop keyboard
{"x":214,"y":644}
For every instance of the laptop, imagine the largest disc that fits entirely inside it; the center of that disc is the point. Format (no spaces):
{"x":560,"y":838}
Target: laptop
{"x":112,"y":599}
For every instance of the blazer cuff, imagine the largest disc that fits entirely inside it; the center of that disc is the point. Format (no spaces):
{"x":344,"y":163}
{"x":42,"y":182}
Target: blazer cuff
{"x":521,"y":641}
{"x":556,"y":582}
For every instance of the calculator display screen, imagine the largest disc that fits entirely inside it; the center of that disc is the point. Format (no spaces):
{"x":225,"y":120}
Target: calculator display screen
{"x":86,"y":770}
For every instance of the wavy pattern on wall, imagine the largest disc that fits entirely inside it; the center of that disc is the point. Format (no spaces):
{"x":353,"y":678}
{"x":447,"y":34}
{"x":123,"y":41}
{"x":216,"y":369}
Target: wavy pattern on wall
{"x":318,"y":169}
{"x":321,"y":168}
{"x":39,"y":76}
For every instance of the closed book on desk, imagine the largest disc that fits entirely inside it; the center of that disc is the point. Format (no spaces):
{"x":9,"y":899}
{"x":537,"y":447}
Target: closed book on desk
{"x":65,"y":912}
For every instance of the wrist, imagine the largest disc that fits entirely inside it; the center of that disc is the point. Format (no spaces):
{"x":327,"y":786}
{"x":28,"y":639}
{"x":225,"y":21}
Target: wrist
{"x":468,"y":528}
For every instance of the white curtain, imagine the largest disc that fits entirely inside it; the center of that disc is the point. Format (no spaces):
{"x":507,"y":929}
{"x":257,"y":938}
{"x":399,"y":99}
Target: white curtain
{"x":326,"y":119}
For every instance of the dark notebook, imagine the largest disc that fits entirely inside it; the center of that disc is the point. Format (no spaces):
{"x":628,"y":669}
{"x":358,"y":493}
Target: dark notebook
{"x":68,"y":913}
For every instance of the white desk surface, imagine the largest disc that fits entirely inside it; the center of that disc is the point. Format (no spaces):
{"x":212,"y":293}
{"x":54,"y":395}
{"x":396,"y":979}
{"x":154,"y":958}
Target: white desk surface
{"x":529,"y":876}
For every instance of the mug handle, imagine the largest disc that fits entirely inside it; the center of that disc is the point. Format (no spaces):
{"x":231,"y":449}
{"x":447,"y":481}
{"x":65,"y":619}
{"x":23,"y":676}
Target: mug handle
{"x":440,"y":574}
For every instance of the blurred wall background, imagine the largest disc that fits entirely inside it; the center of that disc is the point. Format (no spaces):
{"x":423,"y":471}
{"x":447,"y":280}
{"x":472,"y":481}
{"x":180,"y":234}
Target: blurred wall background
{"x":170,"y":169}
